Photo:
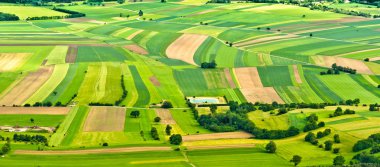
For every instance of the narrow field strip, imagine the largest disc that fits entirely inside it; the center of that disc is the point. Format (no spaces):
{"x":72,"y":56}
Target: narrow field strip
{"x":297,"y":74}
{"x":35,"y":110}
{"x":184,"y":47}
{"x":92,"y":151}
{"x":72,"y":53}
{"x":216,"y":136}
{"x":224,"y":146}
{"x":27,"y":87}
{"x":11,"y":61}
{"x":327,"y":61}
{"x":136,"y":49}
{"x":130,"y":37}
{"x":265,"y":39}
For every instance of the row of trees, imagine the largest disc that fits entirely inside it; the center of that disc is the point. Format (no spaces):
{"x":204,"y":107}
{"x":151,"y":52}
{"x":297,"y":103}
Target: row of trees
{"x":8,"y":17}
{"x":372,"y":140}
{"x":125,"y":92}
{"x":71,"y":14}
{"x":30,"y":138}
{"x":312,"y":123}
{"x":339,"y":111}
{"x":335,"y":69}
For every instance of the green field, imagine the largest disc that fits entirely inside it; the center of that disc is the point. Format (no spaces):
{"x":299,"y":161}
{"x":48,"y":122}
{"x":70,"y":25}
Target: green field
{"x":127,"y":61}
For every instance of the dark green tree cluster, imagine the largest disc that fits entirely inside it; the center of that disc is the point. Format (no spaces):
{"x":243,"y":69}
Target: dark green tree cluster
{"x":312,"y":123}
{"x":350,"y":102}
{"x":30,"y":138}
{"x":135,"y":113}
{"x":154,"y":133}
{"x":175,"y":139}
{"x":167,"y":104}
{"x":374,"y":107}
{"x":211,"y":64}
{"x":168,"y":129}
{"x":271,"y":147}
{"x":5,"y":148}
{"x":365,"y":158}
{"x":339,"y":111}
{"x":71,"y":14}
{"x":8,"y":17}
{"x":335,"y":69}
{"x":372,"y":140}
{"x":125,"y":92}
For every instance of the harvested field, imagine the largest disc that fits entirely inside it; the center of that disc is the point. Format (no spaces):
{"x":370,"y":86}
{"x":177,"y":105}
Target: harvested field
{"x":349,"y":19}
{"x":220,"y":146}
{"x":216,"y":136}
{"x":130,"y":37}
{"x":185,"y":47}
{"x":83,"y":20}
{"x":27,"y":87}
{"x":10,"y":61}
{"x":136,"y":49}
{"x":374,"y":59}
{"x":155,"y":81}
{"x":165,"y":115}
{"x":327,"y":61}
{"x":231,"y":82}
{"x":35,"y":110}
{"x":266,"y":39}
{"x":297,"y":74}
{"x":264,"y":94}
{"x":248,"y":77}
{"x":93,"y":151}
{"x":72,"y":53}
{"x":105,"y":119}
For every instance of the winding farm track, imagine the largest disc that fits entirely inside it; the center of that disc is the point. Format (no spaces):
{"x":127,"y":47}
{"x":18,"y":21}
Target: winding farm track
{"x":92,"y":151}
{"x":27,"y":87}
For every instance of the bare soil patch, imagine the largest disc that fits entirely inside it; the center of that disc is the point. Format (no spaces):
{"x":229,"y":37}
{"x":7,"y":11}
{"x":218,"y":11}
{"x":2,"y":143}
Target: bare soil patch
{"x":264,"y":94}
{"x":10,"y":61}
{"x":327,"y":61}
{"x":35,"y":110}
{"x":26,"y":87}
{"x":136,"y":49}
{"x":374,"y":59}
{"x":130,"y":37}
{"x":265,"y":39}
{"x":165,"y":115}
{"x":105,"y":119}
{"x":216,"y":136}
{"x":297,"y":74}
{"x":71,"y":54}
{"x":92,"y":151}
{"x":185,"y":47}
{"x":231,"y":82}
{"x":248,"y":77}
{"x":155,"y":81}
{"x":220,"y":146}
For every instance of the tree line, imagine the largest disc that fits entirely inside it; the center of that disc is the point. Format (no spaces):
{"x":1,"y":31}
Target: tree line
{"x":30,"y":138}
{"x":8,"y":17}
{"x":71,"y":14}
{"x":364,"y":157}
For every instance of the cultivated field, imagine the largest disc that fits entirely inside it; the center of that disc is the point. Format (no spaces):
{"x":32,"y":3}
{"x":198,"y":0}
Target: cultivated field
{"x":88,"y":90}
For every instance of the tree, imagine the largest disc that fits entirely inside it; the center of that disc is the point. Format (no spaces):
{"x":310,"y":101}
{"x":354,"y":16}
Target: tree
{"x":141,"y":13}
{"x":336,"y":138}
{"x":167,"y":104}
{"x":175,"y":139}
{"x":6,"y":148}
{"x":328,"y":145}
{"x":296,"y":159}
{"x":339,"y":161}
{"x":213,"y":108}
{"x":32,"y":120}
{"x":154,"y":133}
{"x":168,"y":129}
{"x":135,"y":113}
{"x":271,"y":147}
{"x":336,"y":150}
{"x":120,"y":1}
{"x":157,"y":119}
{"x":310,"y":137}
